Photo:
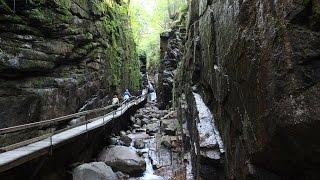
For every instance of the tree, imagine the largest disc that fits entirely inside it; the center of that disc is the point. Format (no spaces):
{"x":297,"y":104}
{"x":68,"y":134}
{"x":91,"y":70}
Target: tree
{"x":149,"y":18}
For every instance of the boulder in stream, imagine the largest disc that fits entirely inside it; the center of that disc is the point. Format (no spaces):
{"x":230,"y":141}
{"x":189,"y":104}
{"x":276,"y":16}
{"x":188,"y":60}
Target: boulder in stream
{"x":126,"y":140}
{"x":123,"y":159}
{"x":113,"y":140}
{"x":123,"y":133}
{"x":132,"y":119}
{"x":169,"y":127}
{"x":138,"y":122}
{"x":139,"y":144}
{"x":145,"y":121}
{"x":138,"y":116}
{"x":154,"y":119}
{"x":136,"y":126}
{"x":94,"y":171}
{"x":152,"y":128}
{"x":166,"y":142}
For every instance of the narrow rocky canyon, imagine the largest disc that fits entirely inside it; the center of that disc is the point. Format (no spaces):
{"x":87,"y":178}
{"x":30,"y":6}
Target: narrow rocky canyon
{"x":233,"y":92}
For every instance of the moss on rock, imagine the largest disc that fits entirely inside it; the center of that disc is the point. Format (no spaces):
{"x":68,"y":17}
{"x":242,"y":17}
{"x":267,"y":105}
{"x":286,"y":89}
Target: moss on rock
{"x":97,"y":53}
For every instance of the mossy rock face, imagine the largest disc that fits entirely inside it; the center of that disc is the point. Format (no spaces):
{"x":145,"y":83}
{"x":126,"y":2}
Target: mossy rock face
{"x":63,"y":4}
{"x":64,"y":52}
{"x":257,"y":69}
{"x":25,"y":65}
{"x":316,"y":15}
{"x":11,"y":18}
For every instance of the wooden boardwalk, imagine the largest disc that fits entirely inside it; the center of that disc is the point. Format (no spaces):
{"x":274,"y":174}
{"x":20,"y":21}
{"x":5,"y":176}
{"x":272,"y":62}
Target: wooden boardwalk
{"x":31,"y":151}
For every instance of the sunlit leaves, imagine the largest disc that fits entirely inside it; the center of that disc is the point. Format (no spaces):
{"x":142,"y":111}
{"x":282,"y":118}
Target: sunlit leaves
{"x":148,"y":19}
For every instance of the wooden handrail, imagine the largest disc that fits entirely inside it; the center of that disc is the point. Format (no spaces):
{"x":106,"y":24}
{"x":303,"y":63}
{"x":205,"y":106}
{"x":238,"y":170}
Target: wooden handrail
{"x":29,"y":141}
{"x":48,"y":122}
{"x":23,"y":143}
{"x":59,"y":119}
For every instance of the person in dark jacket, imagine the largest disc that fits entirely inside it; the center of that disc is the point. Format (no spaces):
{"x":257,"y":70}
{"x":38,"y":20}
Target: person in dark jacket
{"x":126,"y":95}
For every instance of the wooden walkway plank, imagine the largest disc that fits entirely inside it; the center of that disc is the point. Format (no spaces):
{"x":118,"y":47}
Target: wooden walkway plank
{"x":26,"y":153}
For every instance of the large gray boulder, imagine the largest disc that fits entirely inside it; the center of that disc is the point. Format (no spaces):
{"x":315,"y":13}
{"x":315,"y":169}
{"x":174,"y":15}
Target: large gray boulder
{"x":94,"y":171}
{"x":123,"y":159}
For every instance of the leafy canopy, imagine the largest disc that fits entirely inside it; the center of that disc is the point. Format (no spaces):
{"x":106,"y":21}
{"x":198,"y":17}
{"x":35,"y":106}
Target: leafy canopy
{"x":149,"y":18}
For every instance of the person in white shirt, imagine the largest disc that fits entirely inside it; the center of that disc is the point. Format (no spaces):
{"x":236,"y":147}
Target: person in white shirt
{"x":115,"y":101}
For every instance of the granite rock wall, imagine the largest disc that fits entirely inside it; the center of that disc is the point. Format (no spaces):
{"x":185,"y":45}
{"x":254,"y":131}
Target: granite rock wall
{"x":58,"y":57}
{"x":256,"y":64}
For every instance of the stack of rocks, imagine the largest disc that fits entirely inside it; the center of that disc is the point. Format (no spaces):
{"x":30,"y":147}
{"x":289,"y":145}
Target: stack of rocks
{"x":171,"y":45}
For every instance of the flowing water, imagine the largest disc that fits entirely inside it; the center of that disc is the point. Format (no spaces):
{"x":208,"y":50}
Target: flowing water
{"x":149,"y":174}
{"x":162,"y":163}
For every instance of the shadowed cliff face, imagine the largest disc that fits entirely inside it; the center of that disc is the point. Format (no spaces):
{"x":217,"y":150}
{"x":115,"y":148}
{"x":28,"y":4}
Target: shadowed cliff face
{"x":57,"y":56}
{"x":171,"y":53}
{"x":256,"y":63}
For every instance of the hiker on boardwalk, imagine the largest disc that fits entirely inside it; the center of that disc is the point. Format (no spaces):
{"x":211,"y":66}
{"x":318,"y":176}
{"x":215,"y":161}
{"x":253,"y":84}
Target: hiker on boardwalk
{"x":115,"y":102}
{"x":152,"y":93}
{"x":139,"y":92}
{"x":126,"y":95}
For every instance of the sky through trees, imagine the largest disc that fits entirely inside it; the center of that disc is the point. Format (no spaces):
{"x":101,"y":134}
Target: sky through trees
{"x":149,"y":18}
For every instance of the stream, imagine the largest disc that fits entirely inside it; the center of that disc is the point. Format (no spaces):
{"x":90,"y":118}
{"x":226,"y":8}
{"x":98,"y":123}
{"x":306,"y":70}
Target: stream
{"x":155,"y":137}
{"x":152,"y":149}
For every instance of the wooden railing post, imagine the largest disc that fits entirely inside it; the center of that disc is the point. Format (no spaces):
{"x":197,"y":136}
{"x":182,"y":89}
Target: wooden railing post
{"x":86,"y":125}
{"x":50,"y":124}
{"x":115,"y":112}
{"x":51,"y":134}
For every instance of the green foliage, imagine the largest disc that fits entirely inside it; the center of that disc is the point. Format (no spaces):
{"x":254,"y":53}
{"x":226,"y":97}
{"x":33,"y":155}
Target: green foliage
{"x":12,"y":18}
{"x":316,"y":10}
{"x":123,"y":63}
{"x":149,"y":18}
{"x":306,"y":2}
{"x":64,"y":4}
{"x":5,"y":6}
{"x":47,"y":16}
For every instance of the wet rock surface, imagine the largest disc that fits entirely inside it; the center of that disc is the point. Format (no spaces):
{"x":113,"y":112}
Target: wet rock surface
{"x":163,"y":150}
{"x":156,"y":156}
{"x":123,"y":159}
{"x":125,"y":140}
{"x":139,"y":144}
{"x":256,"y":66}
{"x":160,"y":151}
{"x":151,"y":129}
{"x":94,"y":171}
